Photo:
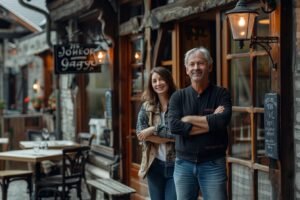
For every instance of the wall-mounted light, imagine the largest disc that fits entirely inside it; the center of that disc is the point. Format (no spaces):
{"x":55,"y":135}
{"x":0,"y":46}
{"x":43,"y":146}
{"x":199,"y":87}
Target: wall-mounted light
{"x":101,"y":56}
{"x":242,"y":19}
{"x":138,"y":56}
{"x":35,"y":86}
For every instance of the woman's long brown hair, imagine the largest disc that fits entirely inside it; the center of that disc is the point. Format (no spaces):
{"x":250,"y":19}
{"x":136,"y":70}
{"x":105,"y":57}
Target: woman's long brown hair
{"x":149,"y":94}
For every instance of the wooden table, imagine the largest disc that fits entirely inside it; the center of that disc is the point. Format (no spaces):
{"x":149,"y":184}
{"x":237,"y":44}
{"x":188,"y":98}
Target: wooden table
{"x":52,"y":144}
{"x":31,"y":156}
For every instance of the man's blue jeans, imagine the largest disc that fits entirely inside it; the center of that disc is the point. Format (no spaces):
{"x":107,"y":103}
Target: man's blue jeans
{"x":160,"y":181}
{"x":208,"y":176}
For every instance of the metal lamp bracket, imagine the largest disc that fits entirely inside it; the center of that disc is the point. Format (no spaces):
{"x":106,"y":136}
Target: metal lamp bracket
{"x":264,"y":42}
{"x":268,"y":6}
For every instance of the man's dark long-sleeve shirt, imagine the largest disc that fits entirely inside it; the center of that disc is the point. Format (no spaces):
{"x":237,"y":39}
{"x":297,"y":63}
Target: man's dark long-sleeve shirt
{"x":206,"y":146}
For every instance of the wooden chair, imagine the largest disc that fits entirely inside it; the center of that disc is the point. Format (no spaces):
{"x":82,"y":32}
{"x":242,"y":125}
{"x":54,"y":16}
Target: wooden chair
{"x":34,"y":135}
{"x":8,"y":176}
{"x":86,"y":138}
{"x":74,"y":159}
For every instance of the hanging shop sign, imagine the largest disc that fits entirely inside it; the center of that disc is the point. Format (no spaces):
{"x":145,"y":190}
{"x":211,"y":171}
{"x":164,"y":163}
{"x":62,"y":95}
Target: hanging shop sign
{"x":271,"y":122}
{"x":76,"y":58}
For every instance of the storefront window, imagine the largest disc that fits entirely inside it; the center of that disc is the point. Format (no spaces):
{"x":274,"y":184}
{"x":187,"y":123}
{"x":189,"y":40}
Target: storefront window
{"x":241,"y":135}
{"x":240,"y":82}
{"x":99,"y":83}
{"x":137,"y":87}
{"x":99,"y":105}
{"x":241,"y":182}
{"x":263,"y":79}
{"x":249,"y":79}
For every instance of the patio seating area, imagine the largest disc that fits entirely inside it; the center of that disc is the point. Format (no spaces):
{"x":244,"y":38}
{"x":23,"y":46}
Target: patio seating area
{"x":17,"y":191}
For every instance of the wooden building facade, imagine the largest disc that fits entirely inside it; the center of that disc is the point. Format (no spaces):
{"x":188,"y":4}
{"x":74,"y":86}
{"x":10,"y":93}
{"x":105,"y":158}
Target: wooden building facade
{"x":139,"y":35}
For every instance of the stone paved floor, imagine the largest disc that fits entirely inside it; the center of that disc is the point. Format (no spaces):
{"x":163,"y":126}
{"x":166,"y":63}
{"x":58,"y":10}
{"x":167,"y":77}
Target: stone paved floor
{"x":17,"y":191}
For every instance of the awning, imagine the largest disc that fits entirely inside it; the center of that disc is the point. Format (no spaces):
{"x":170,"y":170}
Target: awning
{"x":27,"y":47}
{"x":35,"y":43}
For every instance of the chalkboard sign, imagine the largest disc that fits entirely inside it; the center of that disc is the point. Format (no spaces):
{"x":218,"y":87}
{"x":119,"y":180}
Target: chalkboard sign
{"x":271,"y":122}
{"x":76,"y":58}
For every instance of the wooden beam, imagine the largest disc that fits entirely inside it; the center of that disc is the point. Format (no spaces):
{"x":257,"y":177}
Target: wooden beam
{"x":132,"y":26}
{"x":156,"y":47}
{"x":12,"y":34}
{"x":71,"y":8}
{"x":184,"y":8}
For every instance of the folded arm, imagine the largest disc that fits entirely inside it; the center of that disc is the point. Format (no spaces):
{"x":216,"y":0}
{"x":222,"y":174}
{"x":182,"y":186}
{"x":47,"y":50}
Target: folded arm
{"x":156,"y":134}
{"x":200,"y":123}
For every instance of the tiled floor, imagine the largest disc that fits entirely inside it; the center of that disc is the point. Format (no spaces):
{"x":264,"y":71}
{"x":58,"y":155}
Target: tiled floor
{"x":17,"y":191}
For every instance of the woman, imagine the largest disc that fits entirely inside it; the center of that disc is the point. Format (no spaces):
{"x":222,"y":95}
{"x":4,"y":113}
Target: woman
{"x":158,"y":143}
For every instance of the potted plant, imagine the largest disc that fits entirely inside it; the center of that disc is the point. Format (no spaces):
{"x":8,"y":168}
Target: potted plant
{"x":52,"y":102}
{"x":37,"y":102}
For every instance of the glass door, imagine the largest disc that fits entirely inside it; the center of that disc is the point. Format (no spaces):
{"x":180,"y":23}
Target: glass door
{"x":247,"y":73}
{"x":136,"y":89}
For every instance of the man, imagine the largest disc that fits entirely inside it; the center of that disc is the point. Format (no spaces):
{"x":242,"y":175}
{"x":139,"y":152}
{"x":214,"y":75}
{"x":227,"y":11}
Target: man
{"x":198,"y":116}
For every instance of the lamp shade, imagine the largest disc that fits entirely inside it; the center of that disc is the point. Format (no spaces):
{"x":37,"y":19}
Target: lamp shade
{"x":100,"y":56}
{"x":241,"y":20}
{"x":138,"y":56}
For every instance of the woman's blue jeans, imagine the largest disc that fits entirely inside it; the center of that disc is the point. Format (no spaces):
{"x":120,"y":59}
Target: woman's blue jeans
{"x":208,"y":176}
{"x":160,"y":181}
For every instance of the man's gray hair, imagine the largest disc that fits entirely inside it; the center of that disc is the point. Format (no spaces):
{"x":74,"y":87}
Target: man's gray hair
{"x":205,"y":53}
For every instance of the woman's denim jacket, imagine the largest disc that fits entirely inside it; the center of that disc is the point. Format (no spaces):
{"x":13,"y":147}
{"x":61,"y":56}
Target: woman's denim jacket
{"x":150,"y":115}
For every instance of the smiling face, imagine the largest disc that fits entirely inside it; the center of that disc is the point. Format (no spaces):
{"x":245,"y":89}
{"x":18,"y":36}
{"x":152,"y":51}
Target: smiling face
{"x":159,"y":85}
{"x":197,"y":68}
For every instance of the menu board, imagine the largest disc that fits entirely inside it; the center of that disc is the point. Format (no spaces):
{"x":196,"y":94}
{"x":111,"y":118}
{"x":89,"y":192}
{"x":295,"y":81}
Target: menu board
{"x":76,"y":58}
{"x":271,"y":122}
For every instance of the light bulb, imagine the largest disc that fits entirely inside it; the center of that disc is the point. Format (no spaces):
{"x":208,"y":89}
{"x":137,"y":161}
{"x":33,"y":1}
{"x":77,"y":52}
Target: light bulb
{"x":137,"y":55}
{"x":241,"y":22}
{"x":100,"y":55}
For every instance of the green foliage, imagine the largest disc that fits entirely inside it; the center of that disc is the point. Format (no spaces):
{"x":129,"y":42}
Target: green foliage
{"x":2,"y":104}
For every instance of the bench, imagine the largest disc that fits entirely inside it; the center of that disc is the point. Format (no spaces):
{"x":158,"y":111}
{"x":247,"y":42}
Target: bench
{"x":112,"y":189}
{"x":102,"y":171}
{"x":102,"y":164}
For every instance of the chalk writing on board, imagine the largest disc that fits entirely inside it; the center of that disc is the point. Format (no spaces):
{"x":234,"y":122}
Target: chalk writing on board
{"x":271,"y":122}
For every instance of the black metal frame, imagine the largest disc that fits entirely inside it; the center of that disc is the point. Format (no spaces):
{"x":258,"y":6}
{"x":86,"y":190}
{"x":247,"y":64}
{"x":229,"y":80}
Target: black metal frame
{"x":264,"y":42}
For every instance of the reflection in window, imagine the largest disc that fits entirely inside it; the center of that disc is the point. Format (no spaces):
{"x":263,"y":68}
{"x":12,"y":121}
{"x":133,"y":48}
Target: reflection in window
{"x":99,"y":83}
{"x":263,"y":72}
{"x":240,"y":135}
{"x":240,"y":82}
{"x":262,"y":27}
{"x":137,"y":51}
{"x":260,"y":140}
{"x":241,"y":182}
{"x":264,"y":186}
{"x":137,"y":80}
{"x":135,"y":108}
{"x":263,"y":24}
